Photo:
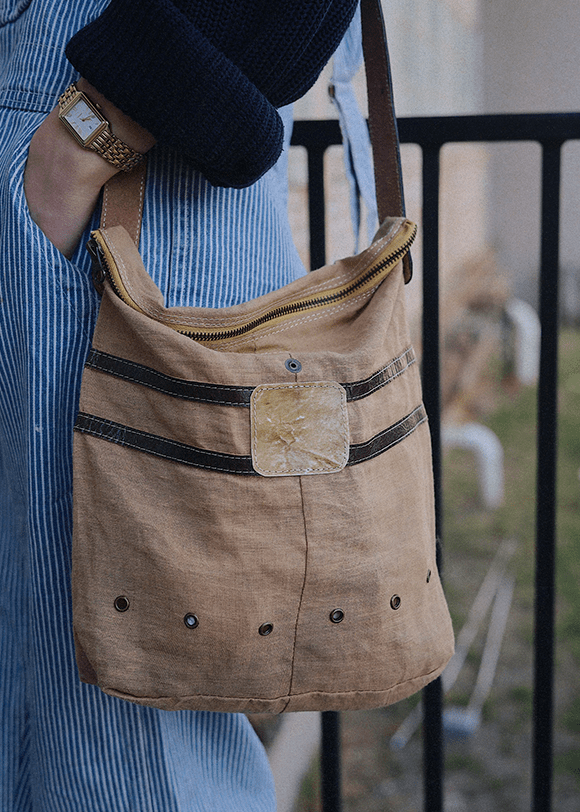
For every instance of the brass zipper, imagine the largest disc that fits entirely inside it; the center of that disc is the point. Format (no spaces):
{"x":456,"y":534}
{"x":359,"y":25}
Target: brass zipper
{"x":104,"y":266}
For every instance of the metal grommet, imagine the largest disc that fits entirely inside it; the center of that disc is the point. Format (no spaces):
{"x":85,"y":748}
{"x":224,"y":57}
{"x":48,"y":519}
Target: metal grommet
{"x":337,"y":616}
{"x":121,"y":603}
{"x":292,"y":365}
{"x":428,"y":575}
{"x":266,"y":629}
{"x":191,"y":621}
{"x":395,"y":602}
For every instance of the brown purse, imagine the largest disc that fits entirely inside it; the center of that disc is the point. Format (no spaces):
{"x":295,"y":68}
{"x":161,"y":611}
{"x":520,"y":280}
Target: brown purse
{"x":253,"y":498}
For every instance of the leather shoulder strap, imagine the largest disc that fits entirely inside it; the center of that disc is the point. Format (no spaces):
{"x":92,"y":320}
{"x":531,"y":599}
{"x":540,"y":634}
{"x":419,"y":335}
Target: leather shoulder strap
{"x":123,"y":201}
{"x":123,"y":195}
{"x":382,"y":122}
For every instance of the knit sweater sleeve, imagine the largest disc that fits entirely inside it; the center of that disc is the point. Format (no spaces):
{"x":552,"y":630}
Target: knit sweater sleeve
{"x":190,"y":71}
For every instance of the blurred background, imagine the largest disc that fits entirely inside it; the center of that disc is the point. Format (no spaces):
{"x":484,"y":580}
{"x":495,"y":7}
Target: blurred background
{"x":457,"y":57}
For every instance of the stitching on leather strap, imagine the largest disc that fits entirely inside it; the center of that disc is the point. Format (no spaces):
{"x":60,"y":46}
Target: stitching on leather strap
{"x":158,"y":446}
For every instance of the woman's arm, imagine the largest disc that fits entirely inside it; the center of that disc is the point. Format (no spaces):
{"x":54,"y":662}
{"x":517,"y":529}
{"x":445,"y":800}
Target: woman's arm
{"x":62,"y":180}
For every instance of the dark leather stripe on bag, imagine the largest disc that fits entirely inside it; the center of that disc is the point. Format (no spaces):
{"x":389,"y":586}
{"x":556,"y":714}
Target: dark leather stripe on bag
{"x":231,"y":463}
{"x":361,"y":452}
{"x":228,"y":395}
{"x":166,"y":384}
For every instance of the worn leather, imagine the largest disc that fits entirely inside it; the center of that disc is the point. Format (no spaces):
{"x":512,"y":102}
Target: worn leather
{"x":299,"y":428}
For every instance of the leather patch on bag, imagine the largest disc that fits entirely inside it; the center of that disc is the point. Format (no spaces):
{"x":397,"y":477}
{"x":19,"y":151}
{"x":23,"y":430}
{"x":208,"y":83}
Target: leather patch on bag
{"x":299,"y":428}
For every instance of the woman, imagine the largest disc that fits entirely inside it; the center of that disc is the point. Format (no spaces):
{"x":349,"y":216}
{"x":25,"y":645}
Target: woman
{"x":201,"y":80}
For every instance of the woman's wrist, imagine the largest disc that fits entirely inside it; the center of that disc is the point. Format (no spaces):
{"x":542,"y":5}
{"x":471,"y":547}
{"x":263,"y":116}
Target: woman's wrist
{"x":64,"y":165}
{"x":63,"y":180}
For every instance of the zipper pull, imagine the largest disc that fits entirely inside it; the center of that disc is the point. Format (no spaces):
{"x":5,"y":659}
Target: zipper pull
{"x":97,"y":265}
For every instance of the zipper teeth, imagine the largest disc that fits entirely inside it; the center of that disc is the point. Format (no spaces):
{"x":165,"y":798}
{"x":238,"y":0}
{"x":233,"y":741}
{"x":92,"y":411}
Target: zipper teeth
{"x":100,"y":262}
{"x":284,"y":310}
{"x":112,"y":282}
{"x":304,"y":304}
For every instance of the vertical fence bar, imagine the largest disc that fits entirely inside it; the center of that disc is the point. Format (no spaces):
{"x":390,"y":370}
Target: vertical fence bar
{"x":432,"y":694}
{"x":330,"y":763}
{"x":316,"y":205}
{"x":546,"y":484}
{"x":431,"y":361}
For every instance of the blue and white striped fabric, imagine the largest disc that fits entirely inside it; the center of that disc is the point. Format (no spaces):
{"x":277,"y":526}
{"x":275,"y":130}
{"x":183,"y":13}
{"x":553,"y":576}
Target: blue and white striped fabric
{"x":65,"y":746}
{"x":358,"y":161}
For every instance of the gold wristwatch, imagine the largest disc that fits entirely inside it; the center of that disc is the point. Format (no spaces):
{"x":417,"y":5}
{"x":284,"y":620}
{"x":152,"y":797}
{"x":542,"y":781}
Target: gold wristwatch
{"x":91,"y":129}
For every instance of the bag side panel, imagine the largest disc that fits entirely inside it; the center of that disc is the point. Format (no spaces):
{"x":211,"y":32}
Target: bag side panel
{"x":380,"y":571}
{"x":176,"y":541}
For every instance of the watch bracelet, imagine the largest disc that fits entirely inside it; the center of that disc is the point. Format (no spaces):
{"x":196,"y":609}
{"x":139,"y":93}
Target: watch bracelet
{"x":67,"y":95}
{"x":115,"y":152}
{"x":108,"y":146}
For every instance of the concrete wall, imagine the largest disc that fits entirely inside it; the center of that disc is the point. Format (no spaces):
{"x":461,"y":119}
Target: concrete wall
{"x":531,"y":64}
{"x":435,"y":51}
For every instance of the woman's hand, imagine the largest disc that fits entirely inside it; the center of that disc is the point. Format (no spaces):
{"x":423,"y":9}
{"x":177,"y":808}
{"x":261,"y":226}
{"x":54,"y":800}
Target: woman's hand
{"x":62,"y":180}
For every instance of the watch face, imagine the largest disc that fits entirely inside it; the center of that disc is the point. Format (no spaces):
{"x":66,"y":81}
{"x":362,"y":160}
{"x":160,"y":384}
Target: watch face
{"x":83,"y":120}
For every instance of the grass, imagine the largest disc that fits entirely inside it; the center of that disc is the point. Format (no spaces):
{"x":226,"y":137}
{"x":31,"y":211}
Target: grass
{"x":471,"y":533}
{"x":309,"y":800}
{"x":568,"y":559}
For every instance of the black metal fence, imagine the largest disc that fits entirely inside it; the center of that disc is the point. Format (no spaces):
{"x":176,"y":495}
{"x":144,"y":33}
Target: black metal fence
{"x":551,"y":131}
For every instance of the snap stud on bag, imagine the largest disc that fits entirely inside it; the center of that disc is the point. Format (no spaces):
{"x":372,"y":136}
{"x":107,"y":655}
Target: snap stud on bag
{"x":253,"y":505}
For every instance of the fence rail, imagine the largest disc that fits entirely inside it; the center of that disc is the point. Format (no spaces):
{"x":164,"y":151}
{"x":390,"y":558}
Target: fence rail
{"x":551,"y":131}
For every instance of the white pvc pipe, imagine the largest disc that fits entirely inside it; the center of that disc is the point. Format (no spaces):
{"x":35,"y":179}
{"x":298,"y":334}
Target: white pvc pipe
{"x":526,"y":324}
{"x":488,"y":453}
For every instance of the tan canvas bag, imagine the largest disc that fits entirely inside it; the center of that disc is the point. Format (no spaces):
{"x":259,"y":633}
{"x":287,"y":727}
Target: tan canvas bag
{"x":253,"y":498}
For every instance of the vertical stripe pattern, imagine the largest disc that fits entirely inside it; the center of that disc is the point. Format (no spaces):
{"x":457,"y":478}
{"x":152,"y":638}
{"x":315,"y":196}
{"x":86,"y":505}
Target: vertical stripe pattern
{"x":65,"y":746}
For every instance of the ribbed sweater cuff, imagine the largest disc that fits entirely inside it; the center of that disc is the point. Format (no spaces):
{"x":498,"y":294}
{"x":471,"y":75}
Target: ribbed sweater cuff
{"x":150,"y":61}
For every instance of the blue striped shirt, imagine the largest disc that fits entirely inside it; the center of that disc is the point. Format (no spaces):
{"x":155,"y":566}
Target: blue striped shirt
{"x":64,"y":745}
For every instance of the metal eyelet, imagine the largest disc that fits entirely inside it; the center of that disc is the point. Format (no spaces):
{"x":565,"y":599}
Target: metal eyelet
{"x":266,"y":629}
{"x":121,"y":603}
{"x":191,"y":621}
{"x":336,"y":616}
{"x":395,"y":602}
{"x":292,"y":365}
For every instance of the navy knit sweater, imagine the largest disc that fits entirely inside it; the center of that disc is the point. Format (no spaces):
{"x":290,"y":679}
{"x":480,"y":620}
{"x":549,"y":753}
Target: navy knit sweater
{"x":205,"y":76}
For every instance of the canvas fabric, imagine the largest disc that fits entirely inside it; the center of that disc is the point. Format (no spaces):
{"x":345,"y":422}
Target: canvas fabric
{"x":265,"y":471}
